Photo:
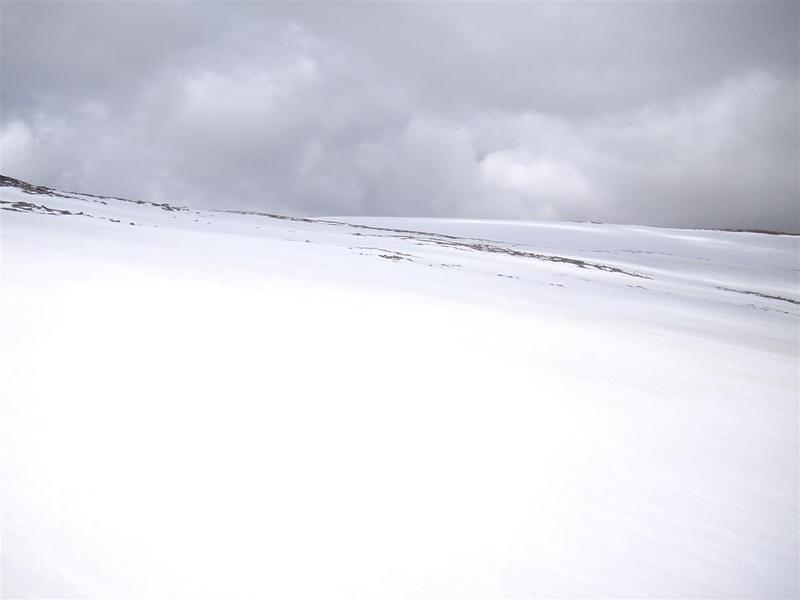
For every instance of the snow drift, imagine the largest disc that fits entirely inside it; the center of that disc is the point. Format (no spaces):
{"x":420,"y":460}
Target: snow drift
{"x":218,"y":404}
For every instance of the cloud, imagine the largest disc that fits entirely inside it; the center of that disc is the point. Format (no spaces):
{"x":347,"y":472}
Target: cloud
{"x":669,"y":114}
{"x":544,"y":184}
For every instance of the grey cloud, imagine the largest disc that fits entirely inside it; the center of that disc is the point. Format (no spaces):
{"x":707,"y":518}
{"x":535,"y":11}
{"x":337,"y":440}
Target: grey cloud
{"x":681,"y":114}
{"x":580,"y":59}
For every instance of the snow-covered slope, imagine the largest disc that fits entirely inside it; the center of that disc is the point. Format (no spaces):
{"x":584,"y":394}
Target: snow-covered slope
{"x":215,"y":404}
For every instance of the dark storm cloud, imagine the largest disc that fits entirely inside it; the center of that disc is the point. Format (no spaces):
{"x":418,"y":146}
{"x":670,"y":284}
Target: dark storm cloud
{"x":663,"y":113}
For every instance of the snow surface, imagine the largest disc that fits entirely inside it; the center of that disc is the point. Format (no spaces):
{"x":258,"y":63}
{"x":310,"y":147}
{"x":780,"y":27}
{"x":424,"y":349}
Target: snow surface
{"x":210,"y":404}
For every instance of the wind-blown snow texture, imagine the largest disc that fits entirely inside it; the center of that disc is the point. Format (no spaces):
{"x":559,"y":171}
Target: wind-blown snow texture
{"x":212,"y":404}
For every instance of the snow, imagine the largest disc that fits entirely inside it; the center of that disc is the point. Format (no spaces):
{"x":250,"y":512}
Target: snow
{"x":211,"y":404}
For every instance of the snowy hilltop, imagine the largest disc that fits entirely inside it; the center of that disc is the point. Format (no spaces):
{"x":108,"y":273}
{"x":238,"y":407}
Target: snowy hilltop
{"x":236,"y":404}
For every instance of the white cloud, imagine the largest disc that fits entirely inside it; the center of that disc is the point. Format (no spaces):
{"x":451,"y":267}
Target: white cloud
{"x":543,"y":187}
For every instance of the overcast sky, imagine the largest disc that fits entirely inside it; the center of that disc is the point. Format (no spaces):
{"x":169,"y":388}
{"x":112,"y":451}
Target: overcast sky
{"x":680,"y":114}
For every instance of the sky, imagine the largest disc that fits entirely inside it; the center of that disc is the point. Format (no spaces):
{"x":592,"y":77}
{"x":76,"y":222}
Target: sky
{"x":681,"y":114}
